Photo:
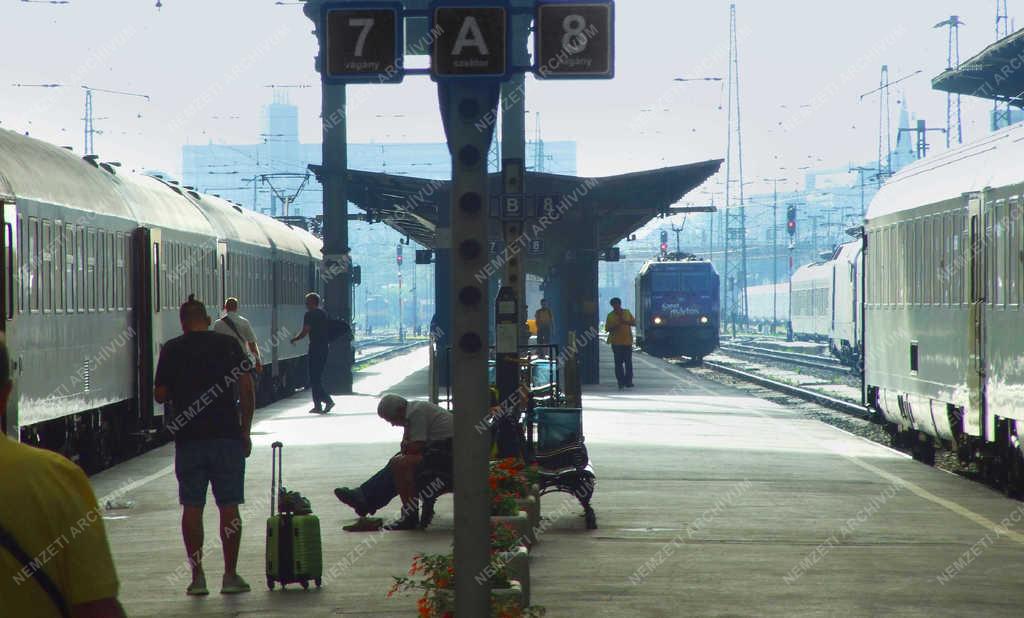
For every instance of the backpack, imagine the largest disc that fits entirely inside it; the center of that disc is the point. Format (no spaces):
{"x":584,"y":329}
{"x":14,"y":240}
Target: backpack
{"x":337,"y":329}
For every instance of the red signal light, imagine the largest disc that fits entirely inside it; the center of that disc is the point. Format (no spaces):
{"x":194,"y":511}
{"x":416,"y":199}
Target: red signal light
{"x":664,"y":247}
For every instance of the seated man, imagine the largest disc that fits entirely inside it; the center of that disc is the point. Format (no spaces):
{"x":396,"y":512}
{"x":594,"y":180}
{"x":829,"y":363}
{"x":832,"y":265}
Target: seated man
{"x":428,"y":429}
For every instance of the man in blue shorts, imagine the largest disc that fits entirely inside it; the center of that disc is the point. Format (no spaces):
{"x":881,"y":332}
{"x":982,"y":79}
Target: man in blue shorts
{"x":206,"y":379}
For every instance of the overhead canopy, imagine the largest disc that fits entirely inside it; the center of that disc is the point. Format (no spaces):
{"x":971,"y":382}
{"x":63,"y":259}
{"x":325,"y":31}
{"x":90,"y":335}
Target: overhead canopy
{"x":620,"y":204}
{"x":996,"y":73}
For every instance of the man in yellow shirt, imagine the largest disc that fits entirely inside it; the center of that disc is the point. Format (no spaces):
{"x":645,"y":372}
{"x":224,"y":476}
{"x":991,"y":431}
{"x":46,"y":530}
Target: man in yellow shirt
{"x":619,"y":325}
{"x":54,"y":557}
{"x":545,"y":321}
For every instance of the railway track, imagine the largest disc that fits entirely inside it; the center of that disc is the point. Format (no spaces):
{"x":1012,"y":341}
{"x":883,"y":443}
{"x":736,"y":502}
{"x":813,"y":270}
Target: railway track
{"x":388,"y":352}
{"x":796,"y":358}
{"x":800,"y":392}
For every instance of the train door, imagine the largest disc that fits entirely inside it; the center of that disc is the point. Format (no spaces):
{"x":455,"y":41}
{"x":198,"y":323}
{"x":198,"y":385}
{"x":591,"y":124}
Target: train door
{"x":8,"y":299}
{"x":976,"y":252}
{"x":146,"y":268}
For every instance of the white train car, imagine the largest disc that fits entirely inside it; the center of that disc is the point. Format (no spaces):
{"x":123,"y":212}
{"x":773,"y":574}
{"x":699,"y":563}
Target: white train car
{"x":762,"y":298}
{"x":845,"y":331}
{"x":812,"y":302}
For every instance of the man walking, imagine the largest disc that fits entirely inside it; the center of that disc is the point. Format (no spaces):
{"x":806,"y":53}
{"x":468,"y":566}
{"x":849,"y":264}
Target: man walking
{"x":206,"y":378}
{"x":314,"y":324}
{"x":619,"y":325}
{"x":49,"y":512}
{"x":236,"y":326}
{"x":545,"y":323}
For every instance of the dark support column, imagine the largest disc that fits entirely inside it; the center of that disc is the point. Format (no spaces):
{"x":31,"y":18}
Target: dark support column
{"x":443,"y":295}
{"x":580,"y":296}
{"x":338,"y":261}
{"x":463,"y":106}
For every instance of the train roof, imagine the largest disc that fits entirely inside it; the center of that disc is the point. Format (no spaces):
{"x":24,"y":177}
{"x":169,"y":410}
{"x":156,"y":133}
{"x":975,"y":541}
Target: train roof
{"x":848,"y":251}
{"x":813,"y":272}
{"x":230,"y":221}
{"x":666,"y":263}
{"x":993,"y":161}
{"x":35,"y":170}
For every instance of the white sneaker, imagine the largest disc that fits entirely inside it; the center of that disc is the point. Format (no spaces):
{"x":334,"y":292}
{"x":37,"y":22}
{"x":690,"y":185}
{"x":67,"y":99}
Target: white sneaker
{"x":234,"y":584}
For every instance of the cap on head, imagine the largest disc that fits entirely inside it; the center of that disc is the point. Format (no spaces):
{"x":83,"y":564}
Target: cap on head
{"x":391,"y":407}
{"x":192,"y":311}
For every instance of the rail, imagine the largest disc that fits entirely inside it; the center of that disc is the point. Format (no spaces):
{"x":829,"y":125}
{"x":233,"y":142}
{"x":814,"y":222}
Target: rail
{"x":796,"y":358}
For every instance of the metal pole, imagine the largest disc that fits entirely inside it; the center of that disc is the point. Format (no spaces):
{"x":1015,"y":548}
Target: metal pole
{"x":775,"y":258}
{"x":464,"y":106}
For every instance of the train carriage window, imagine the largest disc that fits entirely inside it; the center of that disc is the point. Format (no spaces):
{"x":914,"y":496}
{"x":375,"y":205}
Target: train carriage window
{"x":932,"y":227}
{"x":986,"y":262}
{"x":32,"y":271}
{"x":110,"y":292}
{"x":999,"y":255}
{"x":69,"y":267}
{"x":59,"y":261}
{"x":101,"y":268}
{"x":945,"y":268}
{"x":22,"y":275}
{"x":90,"y":273}
{"x":157,"y":276}
{"x":47,"y":267}
{"x":1013,"y":252}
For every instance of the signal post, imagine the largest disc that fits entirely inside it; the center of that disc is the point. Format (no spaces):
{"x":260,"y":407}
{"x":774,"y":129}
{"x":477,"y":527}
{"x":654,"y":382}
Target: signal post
{"x":363,"y":42}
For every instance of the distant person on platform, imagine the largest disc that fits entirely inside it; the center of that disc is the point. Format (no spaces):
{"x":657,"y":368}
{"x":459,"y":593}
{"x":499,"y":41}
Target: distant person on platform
{"x":619,"y":324}
{"x":208,"y":381}
{"x":314,"y":324}
{"x":234,"y":325}
{"x":429,"y":430}
{"x":54,"y":555}
{"x":545,"y":321}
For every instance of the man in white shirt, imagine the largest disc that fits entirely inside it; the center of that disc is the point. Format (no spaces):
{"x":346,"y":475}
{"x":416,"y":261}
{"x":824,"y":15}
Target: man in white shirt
{"x":428,"y":428}
{"x":235,"y":325}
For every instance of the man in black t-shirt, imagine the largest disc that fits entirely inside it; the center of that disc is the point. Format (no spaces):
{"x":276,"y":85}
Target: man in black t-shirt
{"x":314,"y":324}
{"x":205,"y":378}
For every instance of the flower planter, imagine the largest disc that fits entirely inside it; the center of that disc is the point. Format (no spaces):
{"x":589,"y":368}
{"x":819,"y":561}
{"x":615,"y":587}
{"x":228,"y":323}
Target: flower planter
{"x":520,"y":523}
{"x":531,"y":506}
{"x":517,"y":565}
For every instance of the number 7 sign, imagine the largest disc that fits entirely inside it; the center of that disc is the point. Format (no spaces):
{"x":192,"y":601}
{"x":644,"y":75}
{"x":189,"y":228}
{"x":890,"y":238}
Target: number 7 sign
{"x":575,"y":39}
{"x":364,"y":43}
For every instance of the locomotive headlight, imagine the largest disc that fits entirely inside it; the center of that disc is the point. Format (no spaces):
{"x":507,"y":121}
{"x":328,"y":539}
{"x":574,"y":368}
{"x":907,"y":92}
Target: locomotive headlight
{"x":657,"y":320}
{"x":704,"y":319}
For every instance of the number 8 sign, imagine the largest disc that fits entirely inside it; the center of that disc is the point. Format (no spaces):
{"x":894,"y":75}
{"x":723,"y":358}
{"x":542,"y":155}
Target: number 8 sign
{"x":575,"y":39}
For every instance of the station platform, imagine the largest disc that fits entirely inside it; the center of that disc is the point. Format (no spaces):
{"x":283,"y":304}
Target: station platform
{"x":709,"y":502}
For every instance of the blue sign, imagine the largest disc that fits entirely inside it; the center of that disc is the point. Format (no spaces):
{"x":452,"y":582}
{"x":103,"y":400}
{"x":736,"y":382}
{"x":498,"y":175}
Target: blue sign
{"x":512,"y":207}
{"x":363,"y":43}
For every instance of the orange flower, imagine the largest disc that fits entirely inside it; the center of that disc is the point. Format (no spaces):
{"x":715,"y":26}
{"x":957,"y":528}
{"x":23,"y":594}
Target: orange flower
{"x":423,"y":607}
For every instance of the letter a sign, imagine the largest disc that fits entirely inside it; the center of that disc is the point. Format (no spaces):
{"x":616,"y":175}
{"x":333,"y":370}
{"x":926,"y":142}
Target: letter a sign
{"x":472,"y":41}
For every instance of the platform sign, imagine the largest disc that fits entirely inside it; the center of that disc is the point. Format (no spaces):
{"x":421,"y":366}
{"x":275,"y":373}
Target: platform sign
{"x":472,"y":41}
{"x":535,"y":246}
{"x":495,"y":247}
{"x":547,"y":205}
{"x":364,"y":43}
{"x":512,"y":207}
{"x":575,"y":40}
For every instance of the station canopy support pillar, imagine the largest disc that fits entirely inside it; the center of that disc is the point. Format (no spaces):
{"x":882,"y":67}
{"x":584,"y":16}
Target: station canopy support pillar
{"x":464,"y":104}
{"x":337,"y":269}
{"x":579,"y":295}
{"x":443,"y":296}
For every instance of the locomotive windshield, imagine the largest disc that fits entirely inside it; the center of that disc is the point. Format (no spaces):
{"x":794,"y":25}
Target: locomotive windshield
{"x":680,"y":281}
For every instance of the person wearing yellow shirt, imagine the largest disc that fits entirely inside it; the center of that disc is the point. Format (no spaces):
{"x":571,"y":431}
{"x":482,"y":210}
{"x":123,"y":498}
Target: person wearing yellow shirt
{"x":545,"y":321}
{"x":54,"y":556}
{"x":619,"y":325}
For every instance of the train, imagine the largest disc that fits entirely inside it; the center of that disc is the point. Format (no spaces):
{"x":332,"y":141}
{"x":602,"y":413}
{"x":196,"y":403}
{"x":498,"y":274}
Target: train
{"x":95,"y":263}
{"x":768,"y":302}
{"x":826,"y":301}
{"x":677,"y":307}
{"x":943,"y":306}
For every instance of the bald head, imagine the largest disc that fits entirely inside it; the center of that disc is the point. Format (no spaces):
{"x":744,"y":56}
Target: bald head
{"x":231,"y":304}
{"x":392,"y":408}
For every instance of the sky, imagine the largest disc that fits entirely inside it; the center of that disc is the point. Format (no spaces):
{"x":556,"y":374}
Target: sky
{"x":205,"y":65}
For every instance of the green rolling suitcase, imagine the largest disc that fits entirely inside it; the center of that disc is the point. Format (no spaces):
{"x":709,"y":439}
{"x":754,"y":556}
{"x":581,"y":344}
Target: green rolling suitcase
{"x":294,"y":553}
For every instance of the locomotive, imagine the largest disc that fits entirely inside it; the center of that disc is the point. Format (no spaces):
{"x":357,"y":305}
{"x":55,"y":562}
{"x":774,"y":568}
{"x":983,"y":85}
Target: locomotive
{"x":677,"y":307}
{"x":95,"y":263}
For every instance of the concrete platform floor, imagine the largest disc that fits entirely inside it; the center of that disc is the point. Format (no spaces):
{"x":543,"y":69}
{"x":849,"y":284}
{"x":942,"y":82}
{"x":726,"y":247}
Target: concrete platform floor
{"x":710,"y":503}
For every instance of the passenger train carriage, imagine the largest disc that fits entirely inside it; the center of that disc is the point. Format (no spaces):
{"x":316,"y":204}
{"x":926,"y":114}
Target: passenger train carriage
{"x":944,"y":303}
{"x":677,"y":308}
{"x":827,"y":299}
{"x":95,"y":263}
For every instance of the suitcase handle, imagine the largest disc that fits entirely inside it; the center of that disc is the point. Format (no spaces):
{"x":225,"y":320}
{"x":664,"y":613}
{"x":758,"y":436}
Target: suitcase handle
{"x":276,"y":460}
